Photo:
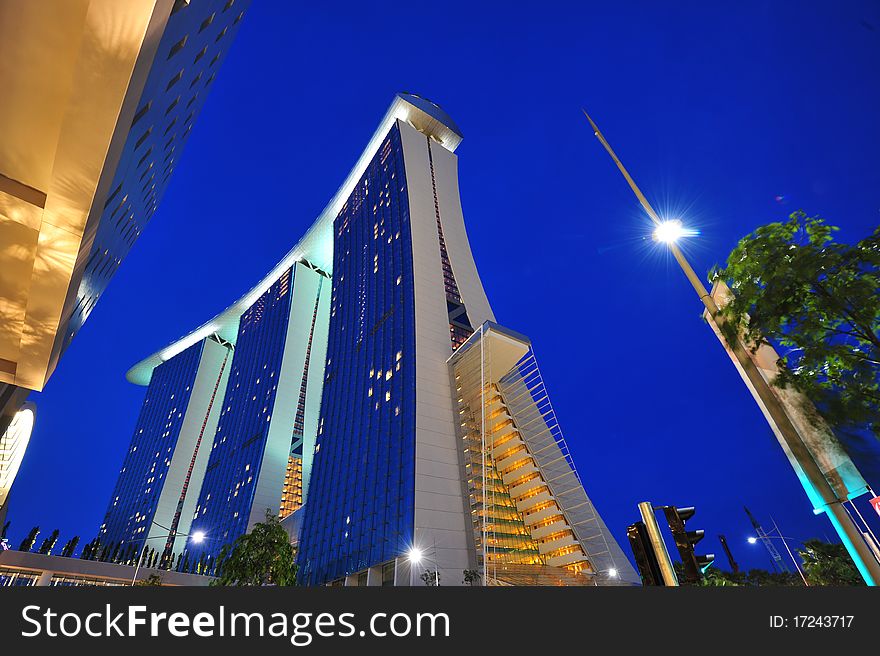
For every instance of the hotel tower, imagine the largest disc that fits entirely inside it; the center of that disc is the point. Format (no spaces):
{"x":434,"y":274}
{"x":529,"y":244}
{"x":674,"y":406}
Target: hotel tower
{"x":364,"y":392}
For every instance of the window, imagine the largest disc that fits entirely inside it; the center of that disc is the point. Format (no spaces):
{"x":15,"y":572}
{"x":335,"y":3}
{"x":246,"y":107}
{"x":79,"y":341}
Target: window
{"x":143,"y":110}
{"x":143,"y":138}
{"x":170,"y":125}
{"x":144,"y":158}
{"x":388,"y":574}
{"x":112,"y":196}
{"x":195,"y":80}
{"x":200,"y":54}
{"x":228,"y":4}
{"x":177,"y":47}
{"x":174,"y":80}
{"x":222,"y":34}
{"x":206,"y":23}
{"x":172,"y":106}
{"x":178,"y":5}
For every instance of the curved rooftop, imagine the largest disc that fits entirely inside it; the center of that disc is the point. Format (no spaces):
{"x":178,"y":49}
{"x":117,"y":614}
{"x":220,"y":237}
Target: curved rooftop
{"x":315,"y":249}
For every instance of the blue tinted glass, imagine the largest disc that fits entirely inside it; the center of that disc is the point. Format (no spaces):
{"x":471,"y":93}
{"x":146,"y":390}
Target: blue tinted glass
{"x":227,"y":493}
{"x":143,"y":472}
{"x":360,"y":509}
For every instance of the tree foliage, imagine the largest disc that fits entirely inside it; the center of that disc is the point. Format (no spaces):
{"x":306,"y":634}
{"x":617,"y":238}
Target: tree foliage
{"x":753,"y":578}
{"x":150,"y":581}
{"x":28,"y":543}
{"x":70,"y":547}
{"x":49,"y":543}
{"x":262,"y":557}
{"x":818,"y":302}
{"x":828,"y":564}
{"x":430,"y":577}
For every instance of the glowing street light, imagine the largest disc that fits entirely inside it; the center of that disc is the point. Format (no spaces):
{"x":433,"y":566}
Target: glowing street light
{"x":196,"y":537}
{"x":669,"y":232}
{"x":415,"y":555}
{"x":612,"y":573}
{"x":753,"y":540}
{"x":850,"y":534}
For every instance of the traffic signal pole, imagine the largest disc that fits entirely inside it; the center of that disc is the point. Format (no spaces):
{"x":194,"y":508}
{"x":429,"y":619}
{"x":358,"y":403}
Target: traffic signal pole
{"x":646,"y":508}
{"x":843,"y":523}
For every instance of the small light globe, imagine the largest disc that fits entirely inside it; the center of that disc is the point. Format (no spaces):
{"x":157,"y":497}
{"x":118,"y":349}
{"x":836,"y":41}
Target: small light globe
{"x":669,"y":232}
{"x":753,"y":540}
{"x":415,"y":555}
{"x":198,"y":537}
{"x":612,"y":573}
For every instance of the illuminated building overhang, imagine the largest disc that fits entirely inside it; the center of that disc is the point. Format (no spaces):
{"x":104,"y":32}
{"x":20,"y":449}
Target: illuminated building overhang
{"x":503,"y":347}
{"x":70,"y":76}
{"x":315,"y":249}
{"x":13,"y":445}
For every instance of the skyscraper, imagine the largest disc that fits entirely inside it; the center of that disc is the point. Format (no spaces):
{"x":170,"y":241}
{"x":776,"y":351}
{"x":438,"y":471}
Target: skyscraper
{"x":99,"y":98}
{"x":168,"y":451}
{"x":429,"y":442}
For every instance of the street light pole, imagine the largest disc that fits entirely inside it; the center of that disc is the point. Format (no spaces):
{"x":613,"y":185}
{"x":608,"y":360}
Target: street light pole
{"x":790,"y":554}
{"x":849,"y":533}
{"x":197,"y":537}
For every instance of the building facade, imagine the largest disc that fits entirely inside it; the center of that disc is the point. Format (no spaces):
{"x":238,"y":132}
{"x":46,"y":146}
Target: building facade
{"x":159,"y":481}
{"x":99,"y":99}
{"x":434,"y":448}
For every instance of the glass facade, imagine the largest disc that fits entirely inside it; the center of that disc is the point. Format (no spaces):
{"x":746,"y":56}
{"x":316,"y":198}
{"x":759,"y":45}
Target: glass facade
{"x":146,"y":464}
{"x":361,"y":500}
{"x":193,"y":46}
{"x":227,"y":493}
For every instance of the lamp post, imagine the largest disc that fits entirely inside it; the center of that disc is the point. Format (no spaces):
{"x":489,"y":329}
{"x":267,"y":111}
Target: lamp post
{"x":197,"y":538}
{"x":754,"y":540}
{"x":668,"y":232}
{"x":415,"y":557}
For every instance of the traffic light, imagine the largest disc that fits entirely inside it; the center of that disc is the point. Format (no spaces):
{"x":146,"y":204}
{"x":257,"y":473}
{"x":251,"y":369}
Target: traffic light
{"x":646,"y":559}
{"x":694,"y":565}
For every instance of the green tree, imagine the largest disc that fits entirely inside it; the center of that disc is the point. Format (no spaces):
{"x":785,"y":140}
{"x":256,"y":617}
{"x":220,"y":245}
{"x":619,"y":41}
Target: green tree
{"x":70,"y":547}
{"x":28,"y":543}
{"x":262,"y":557}
{"x":470,"y":577}
{"x":151,"y":580}
{"x":761,"y":577}
{"x":819,"y":301}
{"x":828,"y":564}
{"x":49,"y":543}
{"x":430,"y":577}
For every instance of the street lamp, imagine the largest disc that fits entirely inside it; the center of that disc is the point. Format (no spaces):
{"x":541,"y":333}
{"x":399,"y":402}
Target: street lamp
{"x":671,"y":230}
{"x":753,"y":540}
{"x":198,"y":537}
{"x":668,"y":233}
{"x":415,"y":556}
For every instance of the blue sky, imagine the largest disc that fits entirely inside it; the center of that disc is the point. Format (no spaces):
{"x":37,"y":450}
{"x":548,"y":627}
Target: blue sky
{"x":729,"y":116}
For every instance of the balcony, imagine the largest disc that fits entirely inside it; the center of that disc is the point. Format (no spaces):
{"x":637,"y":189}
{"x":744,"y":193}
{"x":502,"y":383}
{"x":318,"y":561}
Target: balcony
{"x":524,"y":504}
{"x":568,"y":559}
{"x":536,"y":517}
{"x":544,"y":531}
{"x":519,"y":472}
{"x":524,"y":488}
{"x":549,"y":547}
